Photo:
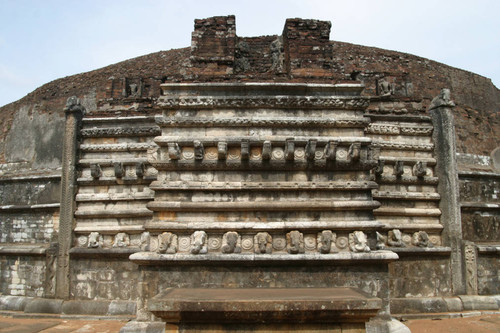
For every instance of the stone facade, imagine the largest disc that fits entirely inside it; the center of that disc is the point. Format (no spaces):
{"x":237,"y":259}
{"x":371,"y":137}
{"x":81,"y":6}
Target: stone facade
{"x":302,"y":162}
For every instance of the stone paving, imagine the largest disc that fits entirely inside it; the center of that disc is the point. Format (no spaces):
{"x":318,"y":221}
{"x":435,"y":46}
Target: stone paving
{"x":489,"y":323}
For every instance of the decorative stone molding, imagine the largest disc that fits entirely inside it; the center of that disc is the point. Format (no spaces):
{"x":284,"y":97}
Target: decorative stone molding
{"x":390,"y":129}
{"x":280,"y":102}
{"x":120,"y":132}
{"x":299,"y":122}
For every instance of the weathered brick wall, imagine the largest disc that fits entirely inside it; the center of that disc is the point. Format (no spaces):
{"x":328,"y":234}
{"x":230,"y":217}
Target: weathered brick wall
{"x":22,"y":276}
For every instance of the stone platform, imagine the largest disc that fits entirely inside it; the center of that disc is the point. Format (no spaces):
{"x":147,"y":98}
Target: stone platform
{"x":264,"y":305}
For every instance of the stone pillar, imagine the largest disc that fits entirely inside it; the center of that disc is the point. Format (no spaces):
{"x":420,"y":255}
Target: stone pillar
{"x":447,"y":172}
{"x":74,"y":113}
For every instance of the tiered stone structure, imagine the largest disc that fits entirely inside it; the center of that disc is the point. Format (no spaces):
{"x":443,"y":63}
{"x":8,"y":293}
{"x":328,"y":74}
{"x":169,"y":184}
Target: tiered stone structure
{"x":286,"y":161}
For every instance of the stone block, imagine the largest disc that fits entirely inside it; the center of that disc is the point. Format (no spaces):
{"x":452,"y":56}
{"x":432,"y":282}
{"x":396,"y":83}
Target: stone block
{"x":453,"y":304}
{"x":13,"y":303}
{"x":44,"y":305}
{"x":97,"y":308}
{"x":418,"y":305}
{"x":479,"y":303}
{"x":119,"y":308}
{"x":143,"y":327}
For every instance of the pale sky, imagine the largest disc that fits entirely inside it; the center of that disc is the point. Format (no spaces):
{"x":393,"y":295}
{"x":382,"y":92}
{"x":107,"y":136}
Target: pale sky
{"x":43,"y":40}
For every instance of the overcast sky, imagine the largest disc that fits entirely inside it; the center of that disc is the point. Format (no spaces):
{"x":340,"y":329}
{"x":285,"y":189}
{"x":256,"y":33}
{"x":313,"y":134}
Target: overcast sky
{"x":42,"y":40}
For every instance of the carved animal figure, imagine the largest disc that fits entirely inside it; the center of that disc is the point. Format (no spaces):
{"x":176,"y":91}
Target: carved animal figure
{"x":199,"y":242}
{"x":326,"y":241}
{"x":358,"y":242}
{"x":421,"y":239}
{"x":395,"y":238}
{"x":295,"y":242}
{"x":95,"y":240}
{"x":263,"y":243}
{"x":121,"y":240}
{"x":167,"y":243}
{"x":230,"y":242}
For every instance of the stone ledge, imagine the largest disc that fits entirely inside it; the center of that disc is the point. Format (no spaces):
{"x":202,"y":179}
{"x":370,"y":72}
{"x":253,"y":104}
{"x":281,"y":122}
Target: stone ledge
{"x":429,"y":307}
{"x":269,"y":305}
{"x":23,"y":249}
{"x":261,"y":88}
{"x":39,"y":306}
{"x":489,"y":249}
{"x":49,"y":206}
{"x":419,"y":251}
{"x":83,"y":252}
{"x":349,"y":258}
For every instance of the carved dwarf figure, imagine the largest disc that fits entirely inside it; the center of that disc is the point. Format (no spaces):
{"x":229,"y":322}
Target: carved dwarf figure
{"x":421,"y":239}
{"x":167,"y":243}
{"x":420,"y":169}
{"x":263,"y":243}
{"x":385,"y":88}
{"x":199,"y":150}
{"x":326,"y":241}
{"x":358,"y":242}
{"x":95,"y":240}
{"x":231,"y":242}
{"x":199,"y":242}
{"x":121,"y":240}
{"x":295,"y":242}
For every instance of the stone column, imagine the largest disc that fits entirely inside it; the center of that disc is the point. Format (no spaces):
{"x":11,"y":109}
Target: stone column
{"x":447,"y":172}
{"x":74,"y":113}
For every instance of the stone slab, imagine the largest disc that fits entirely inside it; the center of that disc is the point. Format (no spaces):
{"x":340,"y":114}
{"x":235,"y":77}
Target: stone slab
{"x":236,"y":305}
